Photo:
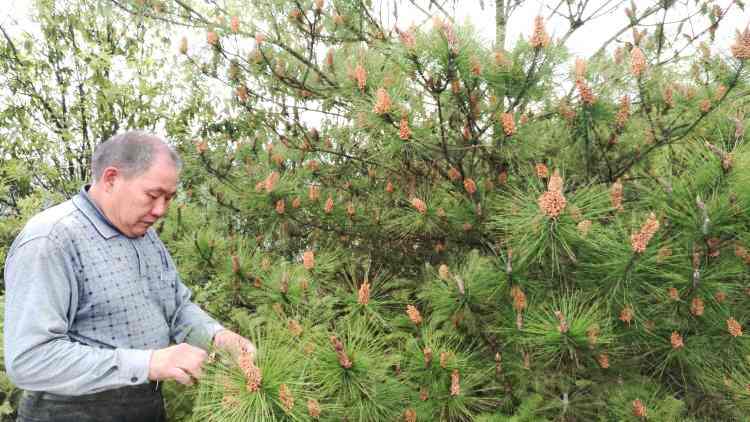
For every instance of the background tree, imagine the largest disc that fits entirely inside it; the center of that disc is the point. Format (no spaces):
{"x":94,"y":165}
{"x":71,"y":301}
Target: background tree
{"x":82,"y":75}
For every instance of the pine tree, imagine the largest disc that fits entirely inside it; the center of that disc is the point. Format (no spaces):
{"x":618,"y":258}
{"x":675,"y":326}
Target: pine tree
{"x":414,"y":226}
{"x":456,"y":239}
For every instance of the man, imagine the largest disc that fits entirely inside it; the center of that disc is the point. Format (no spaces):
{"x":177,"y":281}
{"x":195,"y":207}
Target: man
{"x":93,"y":298}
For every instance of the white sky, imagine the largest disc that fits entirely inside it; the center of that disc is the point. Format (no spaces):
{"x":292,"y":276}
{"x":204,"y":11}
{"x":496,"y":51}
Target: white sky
{"x":14,"y":14}
{"x":587,"y":39}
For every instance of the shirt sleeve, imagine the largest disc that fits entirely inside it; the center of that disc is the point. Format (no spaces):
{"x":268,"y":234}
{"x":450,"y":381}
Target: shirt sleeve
{"x":41,"y":298}
{"x":190,"y":324}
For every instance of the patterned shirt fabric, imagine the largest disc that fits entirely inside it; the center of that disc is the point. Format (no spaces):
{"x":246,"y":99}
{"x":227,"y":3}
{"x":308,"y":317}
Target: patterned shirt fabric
{"x":86,"y":305}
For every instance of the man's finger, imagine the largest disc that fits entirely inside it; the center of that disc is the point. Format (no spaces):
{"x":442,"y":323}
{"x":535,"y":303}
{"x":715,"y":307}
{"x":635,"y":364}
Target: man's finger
{"x":201,"y":354}
{"x":195,"y":371}
{"x":182,"y":376}
{"x":248,"y":347}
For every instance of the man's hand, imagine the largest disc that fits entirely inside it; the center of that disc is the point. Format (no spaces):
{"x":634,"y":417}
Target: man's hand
{"x":182,"y":363}
{"x":233,"y":343}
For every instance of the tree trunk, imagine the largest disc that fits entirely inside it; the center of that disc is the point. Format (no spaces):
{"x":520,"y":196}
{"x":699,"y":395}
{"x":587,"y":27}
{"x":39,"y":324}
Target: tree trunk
{"x":500,"y":24}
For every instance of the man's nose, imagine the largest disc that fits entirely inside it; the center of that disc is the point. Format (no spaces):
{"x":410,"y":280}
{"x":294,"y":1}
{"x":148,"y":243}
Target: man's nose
{"x":160,"y":208}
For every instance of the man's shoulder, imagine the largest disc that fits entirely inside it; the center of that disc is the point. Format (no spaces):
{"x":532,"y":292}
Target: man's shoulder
{"x":52,"y":222}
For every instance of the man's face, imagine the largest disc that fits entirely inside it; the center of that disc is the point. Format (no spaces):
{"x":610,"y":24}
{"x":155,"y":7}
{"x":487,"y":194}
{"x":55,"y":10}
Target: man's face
{"x":138,"y":202}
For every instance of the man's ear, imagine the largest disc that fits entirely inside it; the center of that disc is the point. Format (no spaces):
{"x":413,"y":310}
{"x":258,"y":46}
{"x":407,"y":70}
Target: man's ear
{"x":109,"y":176}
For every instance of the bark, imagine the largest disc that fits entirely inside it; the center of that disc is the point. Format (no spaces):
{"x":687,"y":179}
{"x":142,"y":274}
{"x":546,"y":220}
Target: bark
{"x":501,"y":21}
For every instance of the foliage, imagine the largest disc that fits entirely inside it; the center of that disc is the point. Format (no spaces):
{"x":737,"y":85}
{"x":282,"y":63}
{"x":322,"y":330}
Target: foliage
{"x":413,"y":225}
{"x":8,"y":393}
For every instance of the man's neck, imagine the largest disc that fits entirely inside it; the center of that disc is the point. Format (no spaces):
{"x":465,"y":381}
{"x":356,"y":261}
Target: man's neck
{"x":98,"y":197}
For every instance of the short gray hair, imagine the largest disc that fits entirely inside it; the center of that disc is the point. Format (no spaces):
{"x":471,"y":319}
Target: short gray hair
{"x":131,"y":152}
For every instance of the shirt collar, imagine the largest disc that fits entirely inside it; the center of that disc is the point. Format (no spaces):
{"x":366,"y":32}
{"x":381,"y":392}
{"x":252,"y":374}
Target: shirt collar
{"x":87,"y":206}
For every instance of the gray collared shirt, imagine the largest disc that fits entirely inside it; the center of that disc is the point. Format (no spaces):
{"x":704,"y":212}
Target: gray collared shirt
{"x":86,"y":306}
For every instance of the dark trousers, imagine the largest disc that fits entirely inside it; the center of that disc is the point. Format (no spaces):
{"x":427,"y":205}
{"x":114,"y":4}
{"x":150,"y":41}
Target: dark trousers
{"x":140,"y":403}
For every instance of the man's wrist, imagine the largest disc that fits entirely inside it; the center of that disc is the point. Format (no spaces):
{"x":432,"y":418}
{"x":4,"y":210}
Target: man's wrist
{"x":136,"y":365}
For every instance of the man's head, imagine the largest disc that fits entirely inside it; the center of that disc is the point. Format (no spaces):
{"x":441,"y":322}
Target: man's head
{"x":135,"y":176}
